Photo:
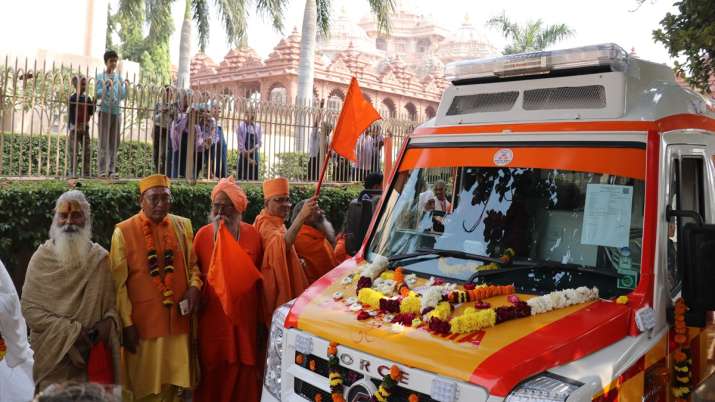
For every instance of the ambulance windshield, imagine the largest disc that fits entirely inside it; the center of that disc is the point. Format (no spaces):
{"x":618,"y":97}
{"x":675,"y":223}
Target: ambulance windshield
{"x":541,"y":228}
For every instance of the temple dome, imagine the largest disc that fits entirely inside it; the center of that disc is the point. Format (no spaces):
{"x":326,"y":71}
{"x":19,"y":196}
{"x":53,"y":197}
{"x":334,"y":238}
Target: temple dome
{"x":467,"y":42}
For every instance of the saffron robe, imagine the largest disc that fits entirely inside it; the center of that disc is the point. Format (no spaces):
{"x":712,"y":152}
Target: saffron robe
{"x":231,"y":365}
{"x":341,"y":254}
{"x":282,"y":272}
{"x":315,"y":251}
{"x":57,"y":303}
{"x":166,"y":357}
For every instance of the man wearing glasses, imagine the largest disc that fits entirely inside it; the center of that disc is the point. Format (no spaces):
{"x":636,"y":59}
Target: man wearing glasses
{"x":283,"y":276}
{"x":158,"y":285}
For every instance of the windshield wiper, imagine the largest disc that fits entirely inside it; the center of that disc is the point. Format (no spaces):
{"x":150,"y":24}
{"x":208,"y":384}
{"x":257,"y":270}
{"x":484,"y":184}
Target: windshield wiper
{"x":430,"y":253}
{"x":527,"y":265}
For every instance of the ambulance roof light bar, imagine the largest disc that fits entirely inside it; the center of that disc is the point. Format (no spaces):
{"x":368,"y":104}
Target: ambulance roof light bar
{"x":539,"y":63}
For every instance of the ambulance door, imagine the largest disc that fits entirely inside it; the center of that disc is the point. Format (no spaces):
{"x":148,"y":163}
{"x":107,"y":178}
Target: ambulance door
{"x":685,"y":190}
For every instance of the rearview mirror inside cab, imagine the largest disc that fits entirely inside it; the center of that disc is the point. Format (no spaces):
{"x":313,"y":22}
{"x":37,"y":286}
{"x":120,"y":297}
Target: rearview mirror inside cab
{"x":699,"y":271}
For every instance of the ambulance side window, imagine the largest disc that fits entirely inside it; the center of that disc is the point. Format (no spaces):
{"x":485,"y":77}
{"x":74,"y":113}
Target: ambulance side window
{"x":687,"y":193}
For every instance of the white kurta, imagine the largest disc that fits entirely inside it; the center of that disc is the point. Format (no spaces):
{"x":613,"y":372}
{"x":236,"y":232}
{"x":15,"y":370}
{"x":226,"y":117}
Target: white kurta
{"x":16,"y":384}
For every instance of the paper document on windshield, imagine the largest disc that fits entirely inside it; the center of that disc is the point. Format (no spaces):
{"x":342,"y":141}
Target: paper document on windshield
{"x":607,"y":215}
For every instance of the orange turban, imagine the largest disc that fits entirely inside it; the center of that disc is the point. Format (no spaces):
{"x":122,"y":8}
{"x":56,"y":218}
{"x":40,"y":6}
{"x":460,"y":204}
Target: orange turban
{"x":233,"y":191}
{"x":155,"y":180}
{"x":275,"y":188}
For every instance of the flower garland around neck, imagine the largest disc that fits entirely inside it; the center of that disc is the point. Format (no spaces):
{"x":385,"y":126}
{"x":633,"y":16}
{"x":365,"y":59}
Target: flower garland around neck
{"x":682,"y":358}
{"x":3,"y":348}
{"x":164,"y":283}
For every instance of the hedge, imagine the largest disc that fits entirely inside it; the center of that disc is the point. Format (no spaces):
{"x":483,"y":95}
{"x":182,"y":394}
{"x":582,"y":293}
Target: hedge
{"x":134,"y":158}
{"x":26,"y":211}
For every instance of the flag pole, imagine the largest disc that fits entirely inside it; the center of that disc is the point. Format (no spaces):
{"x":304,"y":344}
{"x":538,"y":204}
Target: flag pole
{"x":322,"y":172}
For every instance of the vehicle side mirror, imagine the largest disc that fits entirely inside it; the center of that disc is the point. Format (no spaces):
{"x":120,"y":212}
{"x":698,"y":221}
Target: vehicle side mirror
{"x":698,"y":271}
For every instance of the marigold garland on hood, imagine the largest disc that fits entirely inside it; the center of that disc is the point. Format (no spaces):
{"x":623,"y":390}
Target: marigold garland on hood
{"x":433,"y":305}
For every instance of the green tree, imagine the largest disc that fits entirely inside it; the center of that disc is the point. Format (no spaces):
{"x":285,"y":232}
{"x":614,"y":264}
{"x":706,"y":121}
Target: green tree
{"x":531,"y":36}
{"x":691,"y":34}
{"x":151,"y":51}
{"x":233,"y":13}
{"x":316,"y":21}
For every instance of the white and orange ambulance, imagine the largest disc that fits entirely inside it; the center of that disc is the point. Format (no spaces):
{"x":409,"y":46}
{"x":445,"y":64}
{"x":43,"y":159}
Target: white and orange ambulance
{"x":580,"y":194}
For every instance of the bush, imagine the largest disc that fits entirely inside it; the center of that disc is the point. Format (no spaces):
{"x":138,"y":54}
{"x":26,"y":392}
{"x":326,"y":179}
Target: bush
{"x":291,"y":165}
{"x":26,"y":210}
{"x":134,"y":158}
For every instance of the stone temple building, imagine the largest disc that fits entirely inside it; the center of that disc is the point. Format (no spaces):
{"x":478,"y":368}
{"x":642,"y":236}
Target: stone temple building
{"x":403,"y":74}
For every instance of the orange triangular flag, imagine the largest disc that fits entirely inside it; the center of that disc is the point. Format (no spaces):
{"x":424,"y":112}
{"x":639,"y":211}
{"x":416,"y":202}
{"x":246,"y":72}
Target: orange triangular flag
{"x":356,"y":115}
{"x":232,"y":273}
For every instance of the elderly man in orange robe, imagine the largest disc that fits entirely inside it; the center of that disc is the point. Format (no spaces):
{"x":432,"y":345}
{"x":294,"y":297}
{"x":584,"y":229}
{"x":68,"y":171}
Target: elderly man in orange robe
{"x":158,"y":289}
{"x":229,"y":253}
{"x":283,"y":276}
{"x":314,"y":243}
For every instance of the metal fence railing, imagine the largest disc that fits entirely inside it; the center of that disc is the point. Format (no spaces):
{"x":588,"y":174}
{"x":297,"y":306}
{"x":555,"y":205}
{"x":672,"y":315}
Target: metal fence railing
{"x":61,"y":121}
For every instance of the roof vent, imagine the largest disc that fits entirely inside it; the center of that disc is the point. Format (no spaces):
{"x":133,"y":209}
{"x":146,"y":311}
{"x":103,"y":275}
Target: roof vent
{"x":484,"y":102}
{"x":586,"y":97}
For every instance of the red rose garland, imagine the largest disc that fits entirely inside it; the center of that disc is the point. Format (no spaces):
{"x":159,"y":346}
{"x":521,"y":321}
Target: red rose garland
{"x":164,"y":283}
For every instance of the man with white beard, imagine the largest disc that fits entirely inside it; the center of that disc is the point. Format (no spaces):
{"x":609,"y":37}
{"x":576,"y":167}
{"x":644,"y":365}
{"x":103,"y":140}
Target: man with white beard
{"x":315,"y":243}
{"x":68,"y":300}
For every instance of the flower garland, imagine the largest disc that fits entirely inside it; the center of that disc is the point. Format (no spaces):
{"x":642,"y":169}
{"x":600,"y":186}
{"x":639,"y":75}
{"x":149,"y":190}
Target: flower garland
{"x":434,"y":306}
{"x":336,"y":379}
{"x":3,"y":348}
{"x":388,"y":383}
{"x":334,"y":374}
{"x":164,"y":283}
{"x":682,"y":360}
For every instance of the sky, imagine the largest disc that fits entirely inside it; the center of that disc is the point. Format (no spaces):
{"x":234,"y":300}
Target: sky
{"x":618,"y":21}
{"x":594,"y":21}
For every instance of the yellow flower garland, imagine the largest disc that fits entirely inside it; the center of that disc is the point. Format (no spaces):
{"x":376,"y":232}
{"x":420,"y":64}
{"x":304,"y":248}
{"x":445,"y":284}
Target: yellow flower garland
{"x":370,"y":297}
{"x":411,"y":304}
{"x":472,"y":320}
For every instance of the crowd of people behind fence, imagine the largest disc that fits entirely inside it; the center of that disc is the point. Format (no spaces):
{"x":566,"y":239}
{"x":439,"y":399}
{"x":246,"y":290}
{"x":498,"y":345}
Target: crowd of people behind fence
{"x":165,"y":312}
{"x":180,"y":115}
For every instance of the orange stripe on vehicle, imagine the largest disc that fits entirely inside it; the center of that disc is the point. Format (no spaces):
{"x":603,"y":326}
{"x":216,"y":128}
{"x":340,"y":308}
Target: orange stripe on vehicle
{"x":316,"y":289}
{"x":634,"y":370}
{"x":657,"y":352}
{"x":608,"y":394}
{"x":631,"y":390}
{"x":627,"y":162}
{"x":675,"y":122}
{"x":579,"y":334}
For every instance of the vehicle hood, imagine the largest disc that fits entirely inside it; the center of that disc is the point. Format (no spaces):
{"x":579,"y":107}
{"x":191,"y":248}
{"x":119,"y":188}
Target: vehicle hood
{"x":496,"y":358}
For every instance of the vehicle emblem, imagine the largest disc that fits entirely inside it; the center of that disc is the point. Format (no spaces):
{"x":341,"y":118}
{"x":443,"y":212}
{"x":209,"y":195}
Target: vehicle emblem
{"x":361,"y":391}
{"x":503,"y":157}
{"x":346,"y":359}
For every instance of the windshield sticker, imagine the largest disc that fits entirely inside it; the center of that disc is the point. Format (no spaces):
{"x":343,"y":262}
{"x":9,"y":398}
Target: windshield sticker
{"x":627,"y":279}
{"x":607,"y":215}
{"x":503,"y":157}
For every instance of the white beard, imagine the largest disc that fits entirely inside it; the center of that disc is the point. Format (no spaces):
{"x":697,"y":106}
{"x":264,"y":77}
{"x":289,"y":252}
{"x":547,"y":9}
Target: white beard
{"x":327,"y":228}
{"x":71,"y":247}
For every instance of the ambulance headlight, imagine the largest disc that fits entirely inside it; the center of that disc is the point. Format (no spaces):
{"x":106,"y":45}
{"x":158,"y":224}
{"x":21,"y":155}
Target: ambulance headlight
{"x":272,"y":377}
{"x":543,"y":388}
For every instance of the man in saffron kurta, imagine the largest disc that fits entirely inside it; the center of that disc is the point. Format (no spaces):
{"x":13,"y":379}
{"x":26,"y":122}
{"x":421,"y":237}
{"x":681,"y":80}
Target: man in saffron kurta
{"x":314,"y":244}
{"x":282,"y":272}
{"x":231,"y":365}
{"x":155,"y":273}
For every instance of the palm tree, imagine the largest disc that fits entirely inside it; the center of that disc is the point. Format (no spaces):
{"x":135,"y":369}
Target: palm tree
{"x":316,"y":20}
{"x":233,"y":14}
{"x":530,"y":37}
